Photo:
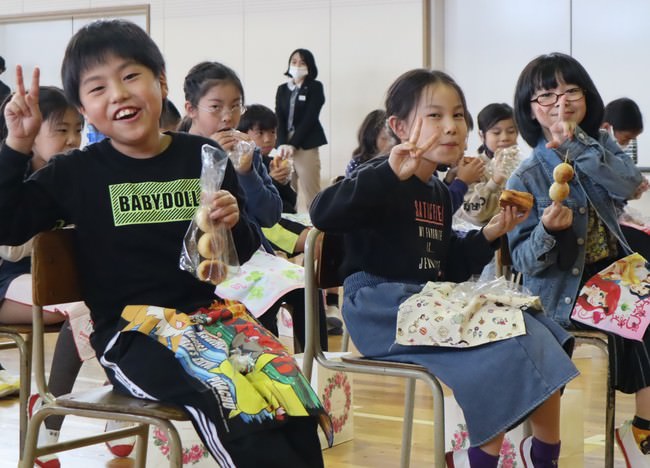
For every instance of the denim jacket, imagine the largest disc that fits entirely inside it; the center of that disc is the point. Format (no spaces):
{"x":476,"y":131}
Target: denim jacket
{"x":605,"y":177}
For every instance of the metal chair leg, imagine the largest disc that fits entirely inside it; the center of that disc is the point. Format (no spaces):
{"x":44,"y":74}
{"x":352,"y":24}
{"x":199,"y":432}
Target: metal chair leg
{"x":407,"y":430}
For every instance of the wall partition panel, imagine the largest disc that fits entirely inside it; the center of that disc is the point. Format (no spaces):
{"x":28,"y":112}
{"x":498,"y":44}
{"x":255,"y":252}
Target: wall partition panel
{"x":614,"y":47}
{"x":487,"y":45}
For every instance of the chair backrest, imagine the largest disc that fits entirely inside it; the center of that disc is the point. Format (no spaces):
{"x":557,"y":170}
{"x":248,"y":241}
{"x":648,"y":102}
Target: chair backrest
{"x":322,"y":270}
{"x":328,"y":261}
{"x":55,"y":279}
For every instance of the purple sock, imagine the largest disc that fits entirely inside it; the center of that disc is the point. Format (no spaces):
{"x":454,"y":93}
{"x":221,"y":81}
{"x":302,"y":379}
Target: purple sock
{"x":480,"y":459}
{"x":543,"y":454}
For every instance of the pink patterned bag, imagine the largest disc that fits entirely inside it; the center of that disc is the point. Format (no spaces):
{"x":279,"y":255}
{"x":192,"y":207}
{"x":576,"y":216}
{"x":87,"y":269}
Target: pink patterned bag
{"x":617,"y":299}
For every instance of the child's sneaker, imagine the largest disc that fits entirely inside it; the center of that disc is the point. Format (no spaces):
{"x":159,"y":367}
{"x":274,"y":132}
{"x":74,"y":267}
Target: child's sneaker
{"x":9,"y":383}
{"x":457,"y":459}
{"x":635,"y":457}
{"x":120,"y":447}
{"x":45,"y":435}
{"x":525,"y":448}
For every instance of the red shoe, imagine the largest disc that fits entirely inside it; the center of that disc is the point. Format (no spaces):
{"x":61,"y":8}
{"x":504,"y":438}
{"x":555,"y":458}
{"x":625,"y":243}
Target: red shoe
{"x":121,"y":447}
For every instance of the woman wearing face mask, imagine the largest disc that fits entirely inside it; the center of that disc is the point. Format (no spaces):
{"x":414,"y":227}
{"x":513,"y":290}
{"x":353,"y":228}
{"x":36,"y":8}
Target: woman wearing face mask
{"x":297,"y":106}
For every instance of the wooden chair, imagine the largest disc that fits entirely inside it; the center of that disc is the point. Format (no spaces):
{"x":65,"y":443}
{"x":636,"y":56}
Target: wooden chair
{"x":20,"y":336}
{"x":55,"y":281}
{"x":594,"y":337}
{"x":321,"y":271}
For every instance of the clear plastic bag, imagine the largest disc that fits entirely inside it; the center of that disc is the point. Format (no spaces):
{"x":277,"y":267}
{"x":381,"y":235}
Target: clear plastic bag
{"x":240,"y":149}
{"x":208,"y":248}
{"x":507,"y":158}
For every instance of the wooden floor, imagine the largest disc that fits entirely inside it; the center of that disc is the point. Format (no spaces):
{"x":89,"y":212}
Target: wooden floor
{"x":377,"y":420}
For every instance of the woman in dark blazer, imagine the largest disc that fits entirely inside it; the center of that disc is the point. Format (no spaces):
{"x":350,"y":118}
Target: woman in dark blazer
{"x":297,"y":106}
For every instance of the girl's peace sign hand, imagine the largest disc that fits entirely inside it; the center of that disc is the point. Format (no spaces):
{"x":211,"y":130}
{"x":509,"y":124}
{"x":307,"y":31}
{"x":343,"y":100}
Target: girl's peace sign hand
{"x":22,"y":114}
{"x":405,"y":158}
{"x":562,"y":128}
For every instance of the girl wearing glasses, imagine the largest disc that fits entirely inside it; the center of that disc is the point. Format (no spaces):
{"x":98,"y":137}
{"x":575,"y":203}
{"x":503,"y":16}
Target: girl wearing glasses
{"x":214,"y":102}
{"x":560,"y":245}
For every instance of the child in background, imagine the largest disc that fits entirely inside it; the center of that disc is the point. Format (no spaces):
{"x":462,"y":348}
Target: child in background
{"x":59,"y":132}
{"x":170,"y":117}
{"x":214,"y":100}
{"x":558,"y":111}
{"x":289,"y":234}
{"x":374,"y":138}
{"x":115,"y":74}
{"x":260,"y":124}
{"x":463,"y":173}
{"x":624,"y":120}
{"x":395,"y":217}
{"x":497,"y":130}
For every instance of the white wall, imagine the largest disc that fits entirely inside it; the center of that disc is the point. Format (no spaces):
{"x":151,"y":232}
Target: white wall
{"x":360,"y":46}
{"x":487,"y":45}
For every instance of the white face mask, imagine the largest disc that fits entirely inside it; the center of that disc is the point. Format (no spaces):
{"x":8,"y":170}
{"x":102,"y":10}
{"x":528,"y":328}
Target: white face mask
{"x":298,"y":73}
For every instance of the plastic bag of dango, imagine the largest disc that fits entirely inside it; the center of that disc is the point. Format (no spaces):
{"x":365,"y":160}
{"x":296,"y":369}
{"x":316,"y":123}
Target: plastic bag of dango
{"x":208,"y":250}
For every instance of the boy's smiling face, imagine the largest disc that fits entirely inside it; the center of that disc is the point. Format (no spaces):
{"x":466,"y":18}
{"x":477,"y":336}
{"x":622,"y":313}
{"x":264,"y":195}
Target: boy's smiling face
{"x":123,"y":100}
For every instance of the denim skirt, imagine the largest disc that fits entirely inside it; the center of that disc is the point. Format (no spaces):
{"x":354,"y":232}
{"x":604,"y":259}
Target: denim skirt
{"x":497,"y":385}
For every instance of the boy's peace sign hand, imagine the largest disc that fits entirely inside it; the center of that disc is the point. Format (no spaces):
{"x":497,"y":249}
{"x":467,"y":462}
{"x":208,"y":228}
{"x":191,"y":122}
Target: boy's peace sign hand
{"x":22,"y":114}
{"x":405,"y":158}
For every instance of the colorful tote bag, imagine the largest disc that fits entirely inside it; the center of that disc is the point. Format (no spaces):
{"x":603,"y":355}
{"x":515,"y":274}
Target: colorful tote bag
{"x":617,"y":299}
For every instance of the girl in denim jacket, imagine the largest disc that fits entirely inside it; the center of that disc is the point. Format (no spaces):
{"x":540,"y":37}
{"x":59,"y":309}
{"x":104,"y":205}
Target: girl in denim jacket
{"x":560,"y":245}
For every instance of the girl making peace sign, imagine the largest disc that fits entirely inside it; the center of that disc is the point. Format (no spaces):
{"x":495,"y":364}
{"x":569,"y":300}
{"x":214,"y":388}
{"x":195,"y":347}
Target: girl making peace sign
{"x":395,"y":217}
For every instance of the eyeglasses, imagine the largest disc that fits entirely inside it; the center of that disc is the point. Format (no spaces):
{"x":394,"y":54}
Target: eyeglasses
{"x":218,"y":109}
{"x":548,"y":99}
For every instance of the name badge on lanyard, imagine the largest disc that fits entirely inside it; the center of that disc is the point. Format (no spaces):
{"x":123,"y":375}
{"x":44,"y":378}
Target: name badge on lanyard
{"x":302,"y":97}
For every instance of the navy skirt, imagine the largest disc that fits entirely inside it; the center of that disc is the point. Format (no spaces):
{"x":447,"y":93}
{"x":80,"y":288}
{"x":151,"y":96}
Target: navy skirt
{"x":497,"y":385}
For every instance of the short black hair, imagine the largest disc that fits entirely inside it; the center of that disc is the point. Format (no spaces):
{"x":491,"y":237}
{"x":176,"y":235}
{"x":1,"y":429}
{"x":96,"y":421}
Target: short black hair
{"x":308,"y":58}
{"x":2,"y":63}
{"x":544,"y":72}
{"x":403,"y":95}
{"x":257,"y":116}
{"x":624,"y":115}
{"x":204,"y":75}
{"x":96,"y":41}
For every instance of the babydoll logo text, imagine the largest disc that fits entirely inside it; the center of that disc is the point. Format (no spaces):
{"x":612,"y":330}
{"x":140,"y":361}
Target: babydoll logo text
{"x":154,"y":202}
{"x":427,"y":212}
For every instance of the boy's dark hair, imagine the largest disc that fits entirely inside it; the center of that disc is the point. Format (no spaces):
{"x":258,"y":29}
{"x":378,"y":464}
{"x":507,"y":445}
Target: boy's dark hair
{"x":204,"y":76}
{"x":169,"y":117}
{"x":404,"y":94}
{"x":2,"y":64}
{"x":308,"y":58}
{"x":92,"y":45}
{"x":52,"y":103}
{"x":544,"y":72}
{"x":624,"y":115}
{"x":367,"y":135}
{"x":257,"y":116}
